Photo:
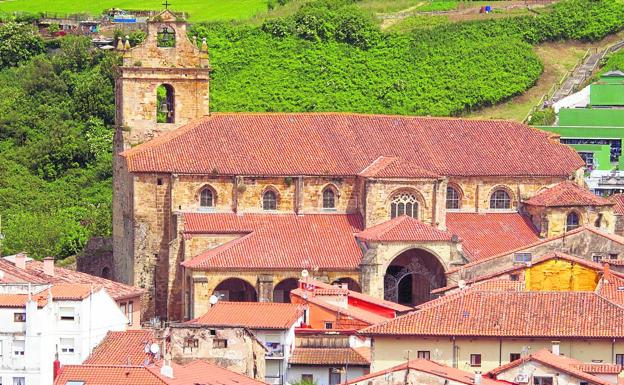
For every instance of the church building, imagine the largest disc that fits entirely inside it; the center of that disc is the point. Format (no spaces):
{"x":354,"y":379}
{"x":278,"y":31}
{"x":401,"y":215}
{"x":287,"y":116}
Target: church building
{"x":243,"y":205}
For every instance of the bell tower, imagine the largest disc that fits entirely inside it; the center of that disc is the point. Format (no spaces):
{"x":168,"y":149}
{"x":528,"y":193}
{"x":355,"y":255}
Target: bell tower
{"x":161,"y":85}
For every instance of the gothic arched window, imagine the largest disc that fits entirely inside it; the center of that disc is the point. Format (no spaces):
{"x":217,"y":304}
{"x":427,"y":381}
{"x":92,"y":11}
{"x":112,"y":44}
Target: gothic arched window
{"x":165,"y":104}
{"x":206,"y":198}
{"x":404,"y":203}
{"x":572,"y":221}
{"x":500,"y":200}
{"x":269,"y":200}
{"x":329,"y":198}
{"x":452,"y":198}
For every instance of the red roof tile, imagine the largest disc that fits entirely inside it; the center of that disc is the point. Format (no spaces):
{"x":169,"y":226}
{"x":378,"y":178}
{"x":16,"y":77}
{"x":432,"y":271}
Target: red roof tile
{"x":511,"y":314}
{"x":564,"y":364}
{"x":122,"y":348}
{"x":71,"y":291}
{"x":252,"y":315}
{"x":394,"y":167}
{"x":404,"y":228}
{"x":567,"y":193}
{"x":345,"y":144}
{"x":431,"y":367}
{"x":611,"y":286}
{"x":108,"y":375}
{"x":201,"y":372}
{"x":315,"y":285}
{"x":328,"y":356}
{"x":488,"y":234}
{"x":618,"y":203}
{"x":278,"y":241}
{"x":19,"y":300}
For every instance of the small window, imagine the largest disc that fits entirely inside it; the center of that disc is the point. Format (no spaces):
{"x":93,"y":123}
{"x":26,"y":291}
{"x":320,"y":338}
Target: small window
{"x":124,"y":309}
{"x":572,"y":221}
{"x":329,"y":325}
{"x":426,"y":354}
{"x":500,"y":200}
{"x":20,"y":381}
{"x":307,"y":379}
{"x":475,"y":360}
{"x":522,"y":257}
{"x":597,"y":258}
{"x":583,"y":383}
{"x":452,"y":198}
{"x":619,"y":359}
{"x":269,"y":200}
{"x":18,"y":347}
{"x":166,"y":38}
{"x":219,"y":343}
{"x":165,"y":104}
{"x":130,"y":314}
{"x":514,"y":277}
{"x":613,"y":256}
{"x":213,"y":332}
{"x":329,"y":198}
{"x":206,"y":198}
{"x":19,"y":317}
{"x":335,"y":376}
{"x":67,"y":345}
{"x":514,"y":356}
{"x":67,"y":314}
{"x":159,"y":181}
{"x":542,"y":380}
{"x":75,"y":383}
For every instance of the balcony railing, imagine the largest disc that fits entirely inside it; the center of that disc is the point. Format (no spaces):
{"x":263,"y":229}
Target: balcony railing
{"x":275,"y":349}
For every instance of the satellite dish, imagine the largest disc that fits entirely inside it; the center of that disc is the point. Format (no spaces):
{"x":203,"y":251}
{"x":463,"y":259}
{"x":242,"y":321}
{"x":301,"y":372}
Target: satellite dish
{"x":461,"y":284}
{"x":213,"y":299}
{"x":304,"y":273}
{"x":154,"y":348}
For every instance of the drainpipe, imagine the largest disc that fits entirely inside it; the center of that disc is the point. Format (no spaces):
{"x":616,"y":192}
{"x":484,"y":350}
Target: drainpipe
{"x":454,"y":352}
{"x":500,"y":351}
{"x":613,"y":350}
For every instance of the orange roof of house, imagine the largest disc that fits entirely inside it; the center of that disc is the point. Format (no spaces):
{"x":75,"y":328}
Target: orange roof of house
{"x":565,"y":364}
{"x":108,"y":375}
{"x":316,"y":285}
{"x":201,"y":372}
{"x":403,"y":228}
{"x":19,"y":300}
{"x":618,"y":203}
{"x":430,"y":367}
{"x":567,"y":193}
{"x":473,"y":312}
{"x":71,"y":291}
{"x":122,"y":348}
{"x":328,"y":356}
{"x":341,"y":144}
{"x":252,"y":315}
{"x":486,"y":234}
{"x":278,"y":241}
{"x":611,"y":286}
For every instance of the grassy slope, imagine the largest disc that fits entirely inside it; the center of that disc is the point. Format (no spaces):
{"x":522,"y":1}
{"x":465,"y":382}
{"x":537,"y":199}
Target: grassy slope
{"x":198,"y":9}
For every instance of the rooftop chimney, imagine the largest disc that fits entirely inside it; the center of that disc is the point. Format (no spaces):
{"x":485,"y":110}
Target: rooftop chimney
{"x":48,"y":266}
{"x":477,"y":378}
{"x":555,"y":348}
{"x":166,"y":370}
{"x":20,"y":261}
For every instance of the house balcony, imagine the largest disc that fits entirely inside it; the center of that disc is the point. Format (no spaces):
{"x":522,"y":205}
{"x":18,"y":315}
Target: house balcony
{"x":276,"y":350}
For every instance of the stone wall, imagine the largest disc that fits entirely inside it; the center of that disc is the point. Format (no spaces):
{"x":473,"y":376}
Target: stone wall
{"x":551,"y":221}
{"x":97,"y":258}
{"x":380,"y":192}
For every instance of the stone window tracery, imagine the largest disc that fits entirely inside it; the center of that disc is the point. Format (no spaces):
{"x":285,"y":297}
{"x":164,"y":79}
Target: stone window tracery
{"x":500,"y":200}
{"x":329,"y":198}
{"x":572,"y":221}
{"x":452,"y":198}
{"x":269,"y":200}
{"x":404,"y":203}
{"x":206,"y":198}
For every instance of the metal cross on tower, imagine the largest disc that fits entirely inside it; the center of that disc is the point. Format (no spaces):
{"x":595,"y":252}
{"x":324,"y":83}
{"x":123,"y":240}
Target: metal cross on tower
{"x":166,"y":4}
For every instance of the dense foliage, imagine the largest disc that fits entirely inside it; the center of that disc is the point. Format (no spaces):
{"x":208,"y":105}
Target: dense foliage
{"x":614,"y":62}
{"x":55,"y":150}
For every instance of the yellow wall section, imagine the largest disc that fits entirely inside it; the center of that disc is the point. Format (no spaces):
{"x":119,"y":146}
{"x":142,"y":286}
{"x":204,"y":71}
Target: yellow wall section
{"x":560,"y":275}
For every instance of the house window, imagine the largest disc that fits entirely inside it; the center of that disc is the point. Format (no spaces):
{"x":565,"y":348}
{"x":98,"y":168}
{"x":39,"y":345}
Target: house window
{"x":307,"y":379}
{"x":522,"y":257}
{"x":404,"y":204}
{"x":514,"y":277}
{"x":542,"y":380}
{"x":329,"y":325}
{"x":329,"y":198}
{"x":613,"y":256}
{"x":269,"y":200}
{"x":596,"y":257}
{"x":334,"y":376}
{"x":514,"y":356}
{"x":18,"y":347}
{"x":475,"y":360}
{"x":19,"y":380}
{"x":219,"y":343}
{"x":67,"y":314}
{"x":499,"y":200}
{"x":130,"y":313}
{"x":426,"y":354}
{"x":572,"y":221}
{"x":67,"y":345}
{"x":206,"y":198}
{"x":19,"y":317}
{"x":452,"y":198}
{"x":619,"y":359}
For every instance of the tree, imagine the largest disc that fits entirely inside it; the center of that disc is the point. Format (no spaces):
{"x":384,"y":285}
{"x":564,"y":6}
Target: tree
{"x":18,"y":42}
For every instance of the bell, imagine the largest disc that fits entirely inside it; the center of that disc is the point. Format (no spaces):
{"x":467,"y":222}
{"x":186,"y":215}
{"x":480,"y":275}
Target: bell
{"x":164,"y":107}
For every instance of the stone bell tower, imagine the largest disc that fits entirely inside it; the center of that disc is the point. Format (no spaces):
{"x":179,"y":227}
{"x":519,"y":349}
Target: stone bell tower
{"x":162,"y":85}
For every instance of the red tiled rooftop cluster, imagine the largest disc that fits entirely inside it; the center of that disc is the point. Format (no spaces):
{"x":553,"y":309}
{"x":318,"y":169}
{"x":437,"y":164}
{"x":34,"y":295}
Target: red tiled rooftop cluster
{"x":252,"y":315}
{"x":565,"y":194}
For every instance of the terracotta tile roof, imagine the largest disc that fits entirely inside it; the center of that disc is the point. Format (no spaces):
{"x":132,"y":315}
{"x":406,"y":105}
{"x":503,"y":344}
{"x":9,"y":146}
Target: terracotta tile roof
{"x":34,"y":274}
{"x":278,"y":241}
{"x":122,"y":348}
{"x":327,"y":356}
{"x":567,"y":193}
{"x":511,"y":314}
{"x":71,"y":291}
{"x":108,"y":375}
{"x":404,"y":228}
{"x":345,"y":144}
{"x":252,"y":315}
{"x":314,"y":285}
{"x":201,"y":372}
{"x":618,"y":203}
{"x":431,"y":367}
{"x":394,"y":167}
{"x":19,"y":300}
{"x":487,"y":234}
{"x":565,"y":364}
{"x":611,"y":286}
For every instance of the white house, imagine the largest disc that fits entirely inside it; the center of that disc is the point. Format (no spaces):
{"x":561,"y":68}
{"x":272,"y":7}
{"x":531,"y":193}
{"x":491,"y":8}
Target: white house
{"x":37,"y":322}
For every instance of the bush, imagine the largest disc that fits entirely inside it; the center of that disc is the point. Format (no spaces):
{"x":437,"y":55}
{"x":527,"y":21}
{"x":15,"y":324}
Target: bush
{"x":18,"y":43}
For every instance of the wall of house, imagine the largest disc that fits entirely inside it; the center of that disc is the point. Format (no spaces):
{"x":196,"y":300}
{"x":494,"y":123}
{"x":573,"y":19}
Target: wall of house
{"x":401,"y":377}
{"x":560,"y":275}
{"x":320,"y":373}
{"x":551,"y":221}
{"x":537,"y":369}
{"x":390,"y":351}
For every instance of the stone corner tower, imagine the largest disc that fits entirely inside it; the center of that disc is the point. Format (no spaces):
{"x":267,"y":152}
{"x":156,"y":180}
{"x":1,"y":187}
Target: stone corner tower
{"x":162,"y":84}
